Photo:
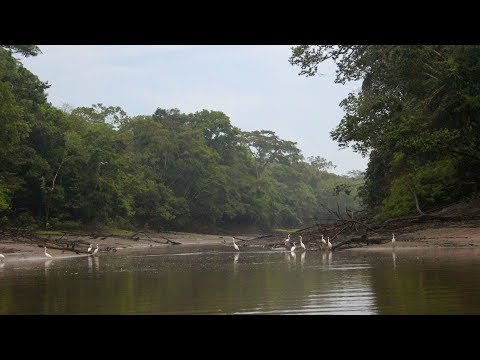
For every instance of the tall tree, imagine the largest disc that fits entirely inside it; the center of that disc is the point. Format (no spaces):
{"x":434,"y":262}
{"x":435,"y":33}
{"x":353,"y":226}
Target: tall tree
{"x":266,"y":147}
{"x":417,"y":111}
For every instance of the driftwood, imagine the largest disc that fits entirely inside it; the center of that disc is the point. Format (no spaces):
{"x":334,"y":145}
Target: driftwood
{"x":24,"y":236}
{"x":346,"y":228}
{"x":259,"y":237}
{"x":168,"y":241}
{"x":362,"y":239}
{"x":343,"y":232}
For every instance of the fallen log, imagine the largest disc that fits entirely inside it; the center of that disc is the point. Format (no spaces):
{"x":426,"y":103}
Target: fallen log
{"x":169,"y":241}
{"x":257,"y":238}
{"x":56,"y":247}
{"x":363,"y":238}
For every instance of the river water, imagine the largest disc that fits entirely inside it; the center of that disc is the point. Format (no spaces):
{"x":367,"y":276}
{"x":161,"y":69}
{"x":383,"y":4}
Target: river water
{"x":218,"y":280}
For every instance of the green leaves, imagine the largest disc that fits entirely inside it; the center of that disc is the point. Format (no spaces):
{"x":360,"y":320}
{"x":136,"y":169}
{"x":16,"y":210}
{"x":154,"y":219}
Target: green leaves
{"x":169,"y":170}
{"x":417,"y":111}
{"x":25,"y":50}
{"x":266,"y":148}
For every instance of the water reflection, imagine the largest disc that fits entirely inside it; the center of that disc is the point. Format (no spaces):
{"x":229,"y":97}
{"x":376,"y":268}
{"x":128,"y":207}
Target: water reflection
{"x":294,"y":257}
{"x":288,"y":260}
{"x":235,"y":262}
{"x":201,"y":281}
{"x":90,"y":264}
{"x":97,"y":263}
{"x":48,"y":263}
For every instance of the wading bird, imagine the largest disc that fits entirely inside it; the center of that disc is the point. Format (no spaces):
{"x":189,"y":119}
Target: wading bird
{"x":329,"y":243}
{"x":302,"y":244}
{"x":235,"y":245}
{"x":324,"y":243}
{"x":287,"y":240}
{"x":293,"y":248}
{"x":90,"y":248}
{"x":96,"y":250}
{"x":2,"y":256}
{"x":393,"y":238}
{"x":47,"y":254}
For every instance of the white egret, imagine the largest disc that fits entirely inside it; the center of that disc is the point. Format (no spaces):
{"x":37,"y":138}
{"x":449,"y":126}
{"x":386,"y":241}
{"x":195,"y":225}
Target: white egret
{"x":302,"y":244}
{"x":47,"y":254}
{"x":293,"y":248}
{"x":294,"y":256}
{"x":235,"y":245}
{"x":329,"y":243}
{"x":2,"y":256}
{"x":324,"y":243}
{"x":96,"y":250}
{"x":90,"y":248}
{"x":393,"y":238}
{"x":287,"y":239}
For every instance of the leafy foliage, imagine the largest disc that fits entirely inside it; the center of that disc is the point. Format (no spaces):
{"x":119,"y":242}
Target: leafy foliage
{"x":61,"y":168}
{"x":416,"y":116}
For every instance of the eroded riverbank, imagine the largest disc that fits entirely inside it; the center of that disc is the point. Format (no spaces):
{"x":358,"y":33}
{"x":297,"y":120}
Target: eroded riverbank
{"x":461,"y":236}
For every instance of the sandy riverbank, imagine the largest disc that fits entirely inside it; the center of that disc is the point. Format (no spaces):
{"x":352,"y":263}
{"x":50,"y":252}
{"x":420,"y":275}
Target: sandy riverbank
{"x":462,"y":236}
{"x":20,"y":250}
{"x":467,"y":236}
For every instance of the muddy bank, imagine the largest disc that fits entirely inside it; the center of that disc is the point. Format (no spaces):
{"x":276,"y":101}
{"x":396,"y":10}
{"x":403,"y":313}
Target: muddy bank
{"x":461,"y":235}
{"x":25,"y":249}
{"x":467,"y":236}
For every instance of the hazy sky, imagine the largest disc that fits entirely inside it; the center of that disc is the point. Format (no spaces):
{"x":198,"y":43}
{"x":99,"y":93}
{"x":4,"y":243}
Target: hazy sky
{"x":254,"y":85}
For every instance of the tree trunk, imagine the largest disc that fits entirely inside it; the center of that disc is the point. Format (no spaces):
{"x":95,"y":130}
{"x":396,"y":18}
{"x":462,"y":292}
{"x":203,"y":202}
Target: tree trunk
{"x":48,"y":200}
{"x":414,"y":193}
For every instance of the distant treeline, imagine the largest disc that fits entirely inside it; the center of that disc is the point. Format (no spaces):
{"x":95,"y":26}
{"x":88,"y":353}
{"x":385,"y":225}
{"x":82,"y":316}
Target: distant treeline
{"x":417,"y":116}
{"x":98,"y":166}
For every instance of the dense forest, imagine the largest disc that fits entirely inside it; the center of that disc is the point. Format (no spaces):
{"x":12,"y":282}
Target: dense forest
{"x":96,"y":166}
{"x":417,"y":117}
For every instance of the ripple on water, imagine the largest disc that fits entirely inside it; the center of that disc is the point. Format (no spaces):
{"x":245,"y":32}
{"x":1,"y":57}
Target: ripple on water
{"x":189,"y":280}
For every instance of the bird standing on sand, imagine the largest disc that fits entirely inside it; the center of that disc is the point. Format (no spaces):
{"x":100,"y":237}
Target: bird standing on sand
{"x":96,"y":250}
{"x":302,"y":244}
{"x":90,"y":248}
{"x":393,"y":238}
{"x":329,"y":244}
{"x":235,"y":245}
{"x":47,"y":254}
{"x":293,"y":248}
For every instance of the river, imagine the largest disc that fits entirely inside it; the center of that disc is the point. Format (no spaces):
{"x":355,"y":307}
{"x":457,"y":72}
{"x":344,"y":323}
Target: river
{"x":218,"y":280}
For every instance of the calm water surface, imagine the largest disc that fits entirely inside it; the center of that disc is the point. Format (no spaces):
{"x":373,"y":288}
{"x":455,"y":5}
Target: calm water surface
{"x":216,"y":280}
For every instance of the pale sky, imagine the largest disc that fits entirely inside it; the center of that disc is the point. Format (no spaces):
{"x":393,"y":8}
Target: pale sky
{"x":255,"y":86}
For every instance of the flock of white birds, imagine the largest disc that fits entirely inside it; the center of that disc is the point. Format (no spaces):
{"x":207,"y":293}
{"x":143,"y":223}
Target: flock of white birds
{"x":326,"y":245}
{"x":48,"y":256}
